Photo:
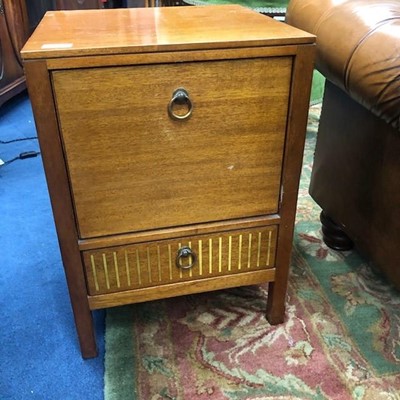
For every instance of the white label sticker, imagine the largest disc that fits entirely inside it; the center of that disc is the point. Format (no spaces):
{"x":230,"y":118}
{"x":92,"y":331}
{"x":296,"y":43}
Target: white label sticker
{"x":57,"y":46}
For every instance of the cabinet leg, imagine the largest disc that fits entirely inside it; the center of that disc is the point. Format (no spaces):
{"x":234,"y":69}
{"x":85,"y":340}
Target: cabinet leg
{"x":86,"y":333}
{"x":276,"y":304}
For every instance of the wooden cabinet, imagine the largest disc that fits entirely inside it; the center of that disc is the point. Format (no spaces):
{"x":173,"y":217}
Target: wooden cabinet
{"x":172,"y":141}
{"x":14,"y":31}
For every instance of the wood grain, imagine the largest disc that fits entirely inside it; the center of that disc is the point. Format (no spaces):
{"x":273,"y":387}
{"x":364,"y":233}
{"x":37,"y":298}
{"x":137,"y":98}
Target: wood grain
{"x":163,"y":57}
{"x":68,"y":33}
{"x":133,"y":168}
{"x":180,"y":288}
{"x":178,"y":232}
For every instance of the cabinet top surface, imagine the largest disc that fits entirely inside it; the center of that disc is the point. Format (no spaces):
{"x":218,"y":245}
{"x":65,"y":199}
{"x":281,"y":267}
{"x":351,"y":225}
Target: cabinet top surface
{"x":142,"y":30}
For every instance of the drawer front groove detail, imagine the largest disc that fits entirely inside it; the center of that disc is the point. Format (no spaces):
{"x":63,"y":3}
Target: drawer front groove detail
{"x":154,"y":263}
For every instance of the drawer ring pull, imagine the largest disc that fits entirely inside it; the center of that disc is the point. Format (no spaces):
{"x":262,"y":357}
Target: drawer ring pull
{"x":185,"y":252}
{"x":180,"y":97}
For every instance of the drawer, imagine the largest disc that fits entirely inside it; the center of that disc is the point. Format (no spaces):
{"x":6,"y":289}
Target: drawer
{"x":132,"y":167}
{"x":170,"y":261}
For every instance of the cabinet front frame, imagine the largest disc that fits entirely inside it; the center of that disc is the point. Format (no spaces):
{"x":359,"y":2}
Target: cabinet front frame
{"x":41,"y":95}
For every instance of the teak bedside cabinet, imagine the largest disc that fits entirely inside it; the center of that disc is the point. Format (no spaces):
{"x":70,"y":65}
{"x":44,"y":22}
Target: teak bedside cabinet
{"x":172,"y":140}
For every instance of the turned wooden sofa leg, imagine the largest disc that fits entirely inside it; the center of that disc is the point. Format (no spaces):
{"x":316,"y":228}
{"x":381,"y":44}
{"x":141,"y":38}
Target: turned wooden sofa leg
{"x":333,"y":235}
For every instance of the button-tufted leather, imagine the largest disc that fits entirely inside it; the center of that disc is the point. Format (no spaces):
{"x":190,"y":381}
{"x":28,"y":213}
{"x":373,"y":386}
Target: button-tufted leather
{"x":358,"y":48}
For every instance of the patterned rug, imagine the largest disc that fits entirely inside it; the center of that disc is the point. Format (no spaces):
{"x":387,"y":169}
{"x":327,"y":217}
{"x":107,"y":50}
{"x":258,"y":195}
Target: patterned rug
{"x":340,"y":340}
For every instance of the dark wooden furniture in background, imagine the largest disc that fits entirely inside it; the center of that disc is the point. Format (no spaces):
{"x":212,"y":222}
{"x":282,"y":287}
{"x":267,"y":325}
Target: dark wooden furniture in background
{"x":37,"y":8}
{"x":14,"y":31}
{"x":201,"y":113}
{"x":78,"y":4}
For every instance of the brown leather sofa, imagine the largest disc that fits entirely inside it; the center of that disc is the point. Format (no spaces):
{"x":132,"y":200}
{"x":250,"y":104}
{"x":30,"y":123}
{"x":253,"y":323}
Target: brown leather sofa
{"x":356,"y":172}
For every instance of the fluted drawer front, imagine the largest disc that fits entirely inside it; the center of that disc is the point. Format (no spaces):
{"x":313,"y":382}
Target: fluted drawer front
{"x":155,"y":263}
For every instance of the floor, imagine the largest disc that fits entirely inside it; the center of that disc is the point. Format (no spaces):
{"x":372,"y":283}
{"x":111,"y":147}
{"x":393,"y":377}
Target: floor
{"x":39,"y":352}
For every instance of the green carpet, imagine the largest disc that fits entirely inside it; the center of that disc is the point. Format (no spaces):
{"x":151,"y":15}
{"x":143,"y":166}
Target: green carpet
{"x":262,"y":6}
{"x":340,"y":339}
{"x":317,"y":88}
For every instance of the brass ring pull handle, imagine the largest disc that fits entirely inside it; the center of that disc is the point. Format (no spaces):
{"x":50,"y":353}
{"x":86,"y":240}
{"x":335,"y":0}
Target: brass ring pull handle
{"x":180,"y":97}
{"x":185,"y":252}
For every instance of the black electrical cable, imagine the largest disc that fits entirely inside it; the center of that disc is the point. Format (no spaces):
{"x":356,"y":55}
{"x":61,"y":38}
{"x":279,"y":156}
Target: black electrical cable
{"x":17,"y":140}
{"x":22,"y":156}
